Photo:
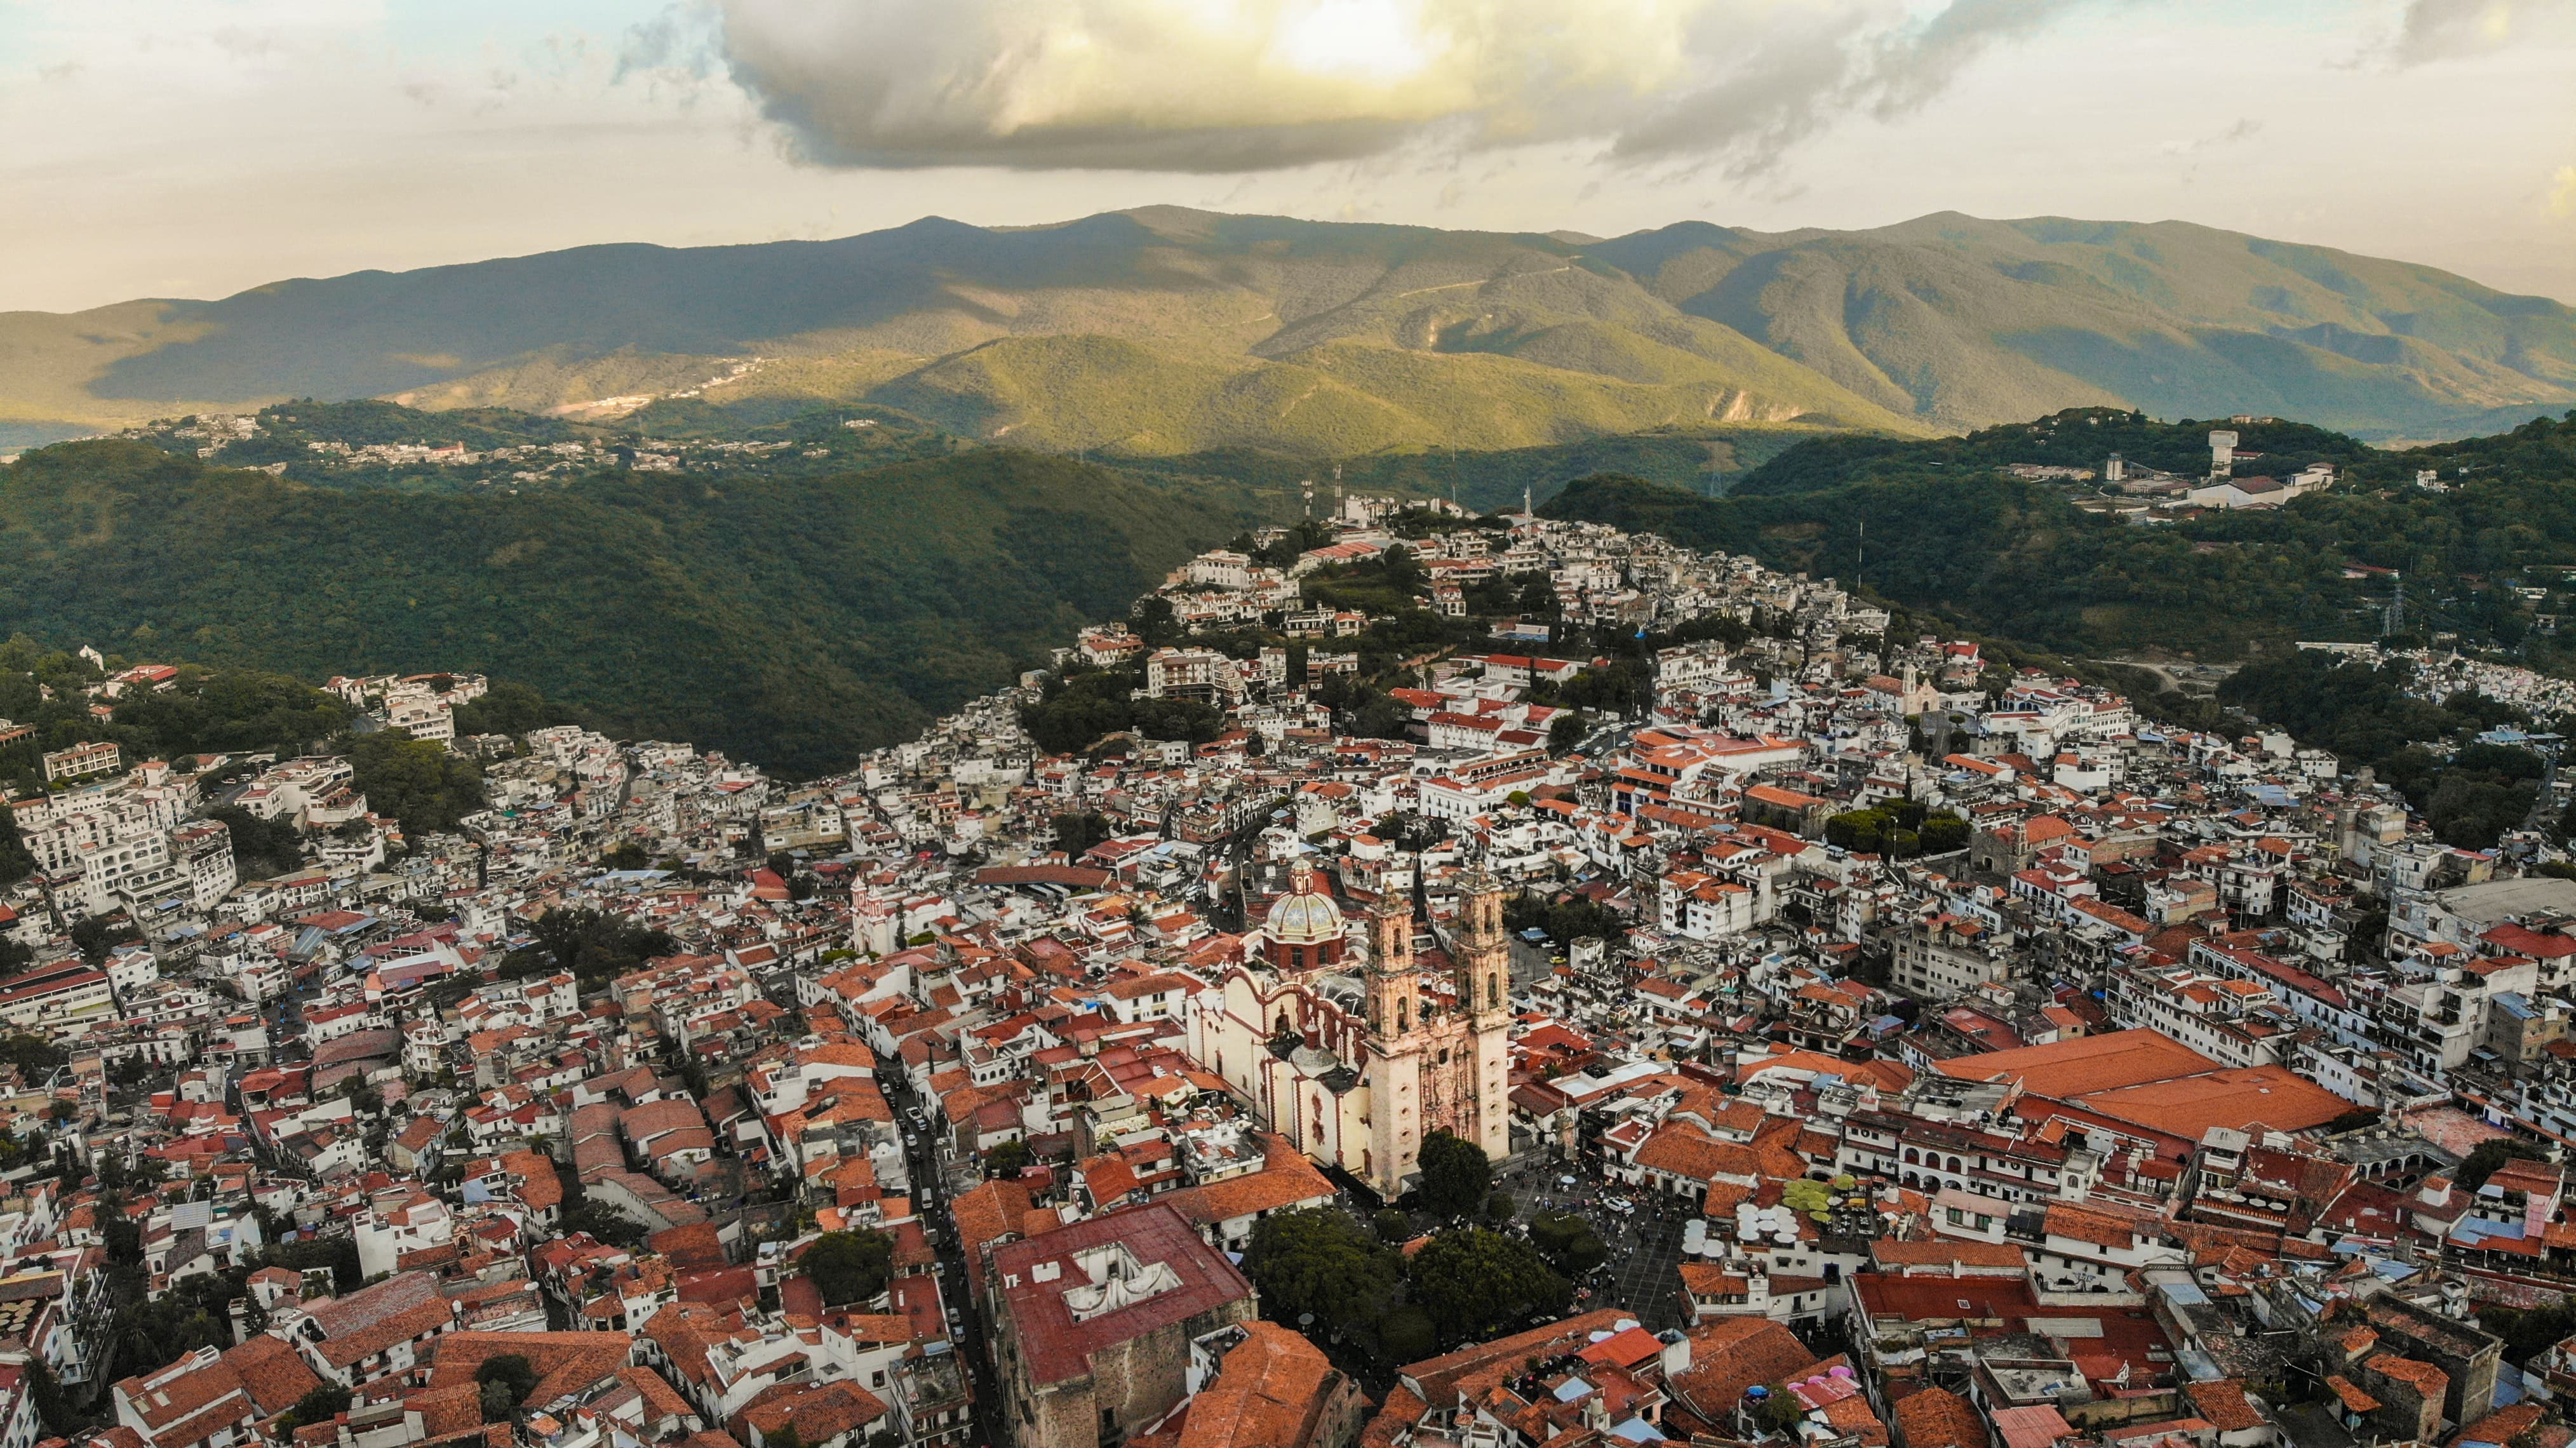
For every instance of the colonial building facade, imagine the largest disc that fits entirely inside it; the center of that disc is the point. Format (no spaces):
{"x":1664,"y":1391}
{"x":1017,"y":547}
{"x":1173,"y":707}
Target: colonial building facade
{"x":1358,"y":1059}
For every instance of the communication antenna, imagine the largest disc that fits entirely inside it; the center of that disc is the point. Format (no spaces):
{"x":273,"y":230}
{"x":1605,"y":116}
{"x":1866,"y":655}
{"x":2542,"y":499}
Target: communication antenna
{"x":1860,"y":556}
{"x":1307,"y":488}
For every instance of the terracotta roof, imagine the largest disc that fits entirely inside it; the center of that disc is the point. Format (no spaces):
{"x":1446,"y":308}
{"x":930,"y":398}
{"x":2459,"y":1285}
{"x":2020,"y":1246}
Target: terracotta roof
{"x":2083,"y":1224}
{"x":1944,"y":1252}
{"x":1269,"y":1391}
{"x":1436,"y":1379}
{"x":814,"y":1414}
{"x":2187,"y":1107}
{"x":372,"y":1319}
{"x":1731,"y":1355}
{"x":565,"y":1362}
{"x":691,"y":1246}
{"x":2085,"y":1064}
{"x":1402,"y":1409}
{"x":2224,"y":1404}
{"x":1935,"y":1418}
{"x":273,"y":1373}
{"x":2503,"y":1425}
{"x":2423,"y":1377}
{"x":2354,"y":1399}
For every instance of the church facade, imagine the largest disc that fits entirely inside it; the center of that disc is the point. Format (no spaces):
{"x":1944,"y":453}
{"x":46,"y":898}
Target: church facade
{"x":1357,"y":1054}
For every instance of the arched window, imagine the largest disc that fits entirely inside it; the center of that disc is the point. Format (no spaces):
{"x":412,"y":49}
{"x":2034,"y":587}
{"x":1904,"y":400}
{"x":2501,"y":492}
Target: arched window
{"x":1403,"y":1016}
{"x":1910,"y":1159}
{"x":1493,"y":992}
{"x":1284,"y":1027}
{"x":1954,"y":1163}
{"x":1296,"y":957}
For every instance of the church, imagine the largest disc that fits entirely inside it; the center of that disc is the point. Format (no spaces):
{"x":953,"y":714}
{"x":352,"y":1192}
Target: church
{"x":1356,"y":1051}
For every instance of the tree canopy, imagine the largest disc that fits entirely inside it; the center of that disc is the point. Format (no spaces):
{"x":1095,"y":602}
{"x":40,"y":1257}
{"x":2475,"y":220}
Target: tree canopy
{"x":1476,"y":1282}
{"x":848,"y":1267}
{"x":417,"y":781}
{"x":1455,"y":1176}
{"x":1320,"y":1260}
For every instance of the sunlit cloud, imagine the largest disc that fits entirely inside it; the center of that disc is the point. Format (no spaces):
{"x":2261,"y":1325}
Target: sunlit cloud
{"x":1248,"y":85}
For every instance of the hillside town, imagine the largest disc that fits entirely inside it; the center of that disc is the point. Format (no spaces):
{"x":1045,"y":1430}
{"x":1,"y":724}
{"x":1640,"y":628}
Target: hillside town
{"x":1808,"y":1031}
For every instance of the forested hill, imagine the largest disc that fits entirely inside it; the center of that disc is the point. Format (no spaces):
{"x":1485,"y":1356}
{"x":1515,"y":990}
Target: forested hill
{"x":1939,"y":526}
{"x":795,"y":620}
{"x":2080,"y":437}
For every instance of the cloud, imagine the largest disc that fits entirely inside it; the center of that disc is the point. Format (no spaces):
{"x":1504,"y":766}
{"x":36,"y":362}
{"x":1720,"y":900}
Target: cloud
{"x":1252,"y":85}
{"x":2245,"y":129}
{"x":2444,"y":29}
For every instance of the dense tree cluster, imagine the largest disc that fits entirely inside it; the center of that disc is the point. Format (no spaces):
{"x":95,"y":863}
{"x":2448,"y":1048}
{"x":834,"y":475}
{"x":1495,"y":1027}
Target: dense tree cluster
{"x":849,"y":1267}
{"x":795,"y":620}
{"x":1564,"y":920}
{"x":594,"y":946}
{"x":1900,"y":827}
{"x":417,"y":781}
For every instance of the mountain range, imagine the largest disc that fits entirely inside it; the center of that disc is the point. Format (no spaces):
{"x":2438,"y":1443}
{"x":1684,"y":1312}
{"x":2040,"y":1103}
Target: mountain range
{"x":1165,"y":331}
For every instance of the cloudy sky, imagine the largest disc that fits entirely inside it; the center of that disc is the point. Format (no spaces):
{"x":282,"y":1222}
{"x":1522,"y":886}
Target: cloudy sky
{"x":197,"y":147}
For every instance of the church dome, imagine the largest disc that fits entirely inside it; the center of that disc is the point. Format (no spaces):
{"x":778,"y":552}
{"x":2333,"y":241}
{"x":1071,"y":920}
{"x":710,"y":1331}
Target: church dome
{"x":1304,"y":918}
{"x":1305,"y":915}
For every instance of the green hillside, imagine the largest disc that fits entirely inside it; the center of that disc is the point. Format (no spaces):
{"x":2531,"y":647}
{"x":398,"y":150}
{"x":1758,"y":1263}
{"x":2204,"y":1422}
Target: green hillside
{"x":1961,"y":541}
{"x":1165,"y":331}
{"x":792,"y":619}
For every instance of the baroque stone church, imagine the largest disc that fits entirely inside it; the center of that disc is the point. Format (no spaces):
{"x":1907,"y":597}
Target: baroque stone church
{"x":1356,"y":1054}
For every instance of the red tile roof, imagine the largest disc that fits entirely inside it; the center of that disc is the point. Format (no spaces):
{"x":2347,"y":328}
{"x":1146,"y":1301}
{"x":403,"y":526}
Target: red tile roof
{"x":1054,"y":1346}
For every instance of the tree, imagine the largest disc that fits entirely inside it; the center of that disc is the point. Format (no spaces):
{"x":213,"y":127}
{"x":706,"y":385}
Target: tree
{"x":96,"y":935}
{"x":1475,"y":1283}
{"x":1079,"y":830}
{"x":1565,"y":731}
{"x":1319,"y":1260}
{"x":592,"y":945}
{"x":1155,"y":624}
{"x":848,"y":1267}
{"x":1568,"y":1241}
{"x":1407,"y":1335}
{"x":36,"y":1058}
{"x":15,"y":863}
{"x":52,"y":1407}
{"x":415,"y":780}
{"x":323,"y":1404}
{"x":1008,"y":1159}
{"x":509,"y":708}
{"x":507,"y":1380}
{"x":1392,"y":1226}
{"x":1455,"y":1176}
{"x":261,"y":848}
{"x":2486,"y":1156}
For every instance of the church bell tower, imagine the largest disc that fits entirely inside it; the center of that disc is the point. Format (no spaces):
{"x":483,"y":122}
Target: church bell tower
{"x":1394,"y":988}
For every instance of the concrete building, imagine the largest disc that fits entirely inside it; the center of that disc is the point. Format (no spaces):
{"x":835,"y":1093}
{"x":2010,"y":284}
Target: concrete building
{"x":1092,"y":1324}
